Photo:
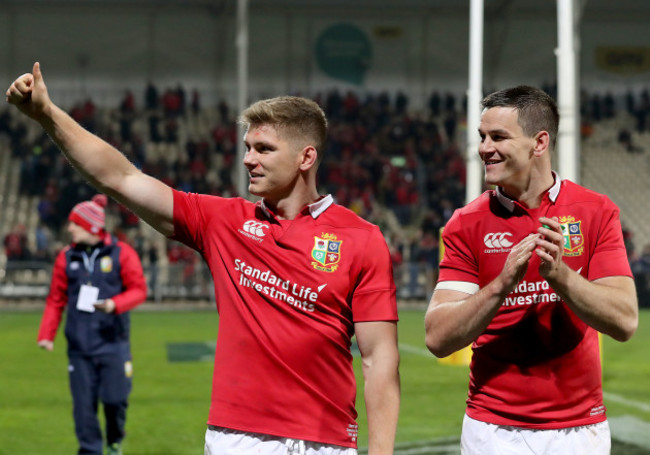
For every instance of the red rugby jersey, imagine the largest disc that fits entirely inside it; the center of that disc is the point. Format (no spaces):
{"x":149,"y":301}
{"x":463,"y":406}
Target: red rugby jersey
{"x":537,"y":365}
{"x":288,"y":294}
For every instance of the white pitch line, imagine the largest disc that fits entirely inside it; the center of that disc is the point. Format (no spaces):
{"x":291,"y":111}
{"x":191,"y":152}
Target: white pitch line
{"x":442,"y":446}
{"x":631,"y":430}
{"x":627,"y":402}
{"x":414,"y":350}
{"x":445,"y":450}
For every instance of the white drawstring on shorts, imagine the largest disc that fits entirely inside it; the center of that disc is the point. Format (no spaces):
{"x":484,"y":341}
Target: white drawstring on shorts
{"x":295,"y":447}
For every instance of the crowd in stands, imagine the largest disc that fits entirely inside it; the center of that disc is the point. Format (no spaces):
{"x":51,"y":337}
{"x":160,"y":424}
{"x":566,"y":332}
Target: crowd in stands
{"x":401,"y":169}
{"x":597,"y":107}
{"x":641,"y":271}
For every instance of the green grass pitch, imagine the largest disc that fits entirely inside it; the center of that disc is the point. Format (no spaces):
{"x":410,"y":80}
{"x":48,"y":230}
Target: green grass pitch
{"x":170,"y":400}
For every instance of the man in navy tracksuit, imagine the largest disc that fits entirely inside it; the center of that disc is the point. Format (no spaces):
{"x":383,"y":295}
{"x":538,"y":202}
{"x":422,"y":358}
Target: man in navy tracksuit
{"x":98,"y":279}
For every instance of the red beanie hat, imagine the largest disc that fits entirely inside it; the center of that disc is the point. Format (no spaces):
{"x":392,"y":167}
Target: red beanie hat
{"x":90,"y":214}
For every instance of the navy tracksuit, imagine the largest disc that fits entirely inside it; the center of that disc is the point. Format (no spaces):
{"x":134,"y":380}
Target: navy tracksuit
{"x":98,"y":343}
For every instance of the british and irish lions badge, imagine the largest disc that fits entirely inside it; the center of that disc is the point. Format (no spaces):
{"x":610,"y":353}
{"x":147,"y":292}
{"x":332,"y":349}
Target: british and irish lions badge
{"x":326,"y":252}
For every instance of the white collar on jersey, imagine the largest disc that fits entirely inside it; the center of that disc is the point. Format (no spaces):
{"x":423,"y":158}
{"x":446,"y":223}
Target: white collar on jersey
{"x":315,"y":209}
{"x":553,"y":193}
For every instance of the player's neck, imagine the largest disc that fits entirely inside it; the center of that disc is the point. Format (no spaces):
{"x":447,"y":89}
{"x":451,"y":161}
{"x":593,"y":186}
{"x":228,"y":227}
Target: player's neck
{"x":289,"y":207}
{"x":532,"y":192}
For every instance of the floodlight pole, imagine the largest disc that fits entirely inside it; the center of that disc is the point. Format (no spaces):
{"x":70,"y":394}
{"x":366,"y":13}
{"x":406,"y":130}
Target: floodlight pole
{"x":474,"y":95}
{"x":240,"y":175}
{"x":568,"y":142}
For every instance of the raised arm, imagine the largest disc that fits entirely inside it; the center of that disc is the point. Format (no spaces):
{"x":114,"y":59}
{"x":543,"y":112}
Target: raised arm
{"x":101,"y":164}
{"x":377,"y":342}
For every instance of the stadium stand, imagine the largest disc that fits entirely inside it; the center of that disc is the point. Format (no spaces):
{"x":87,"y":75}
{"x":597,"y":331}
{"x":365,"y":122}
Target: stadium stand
{"x":408,"y":178}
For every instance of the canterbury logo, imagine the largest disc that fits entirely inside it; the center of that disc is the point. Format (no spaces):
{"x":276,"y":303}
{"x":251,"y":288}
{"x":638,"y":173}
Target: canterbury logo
{"x":497,"y":240}
{"x":255,"y":228}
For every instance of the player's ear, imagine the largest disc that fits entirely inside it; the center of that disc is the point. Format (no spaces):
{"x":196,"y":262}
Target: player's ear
{"x":309,"y":157}
{"x":542,"y":143}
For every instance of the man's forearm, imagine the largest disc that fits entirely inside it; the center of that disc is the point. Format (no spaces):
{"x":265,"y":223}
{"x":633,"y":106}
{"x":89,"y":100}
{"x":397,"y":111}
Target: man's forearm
{"x":608,"y":305}
{"x":452,"y":324}
{"x":382,"y":396}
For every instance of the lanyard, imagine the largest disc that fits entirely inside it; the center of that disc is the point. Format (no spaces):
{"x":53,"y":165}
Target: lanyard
{"x":89,"y":262}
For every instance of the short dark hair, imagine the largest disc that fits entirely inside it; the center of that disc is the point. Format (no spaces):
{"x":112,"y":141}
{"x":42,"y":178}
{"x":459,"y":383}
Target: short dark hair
{"x":300,"y":118}
{"x":537,"y":110}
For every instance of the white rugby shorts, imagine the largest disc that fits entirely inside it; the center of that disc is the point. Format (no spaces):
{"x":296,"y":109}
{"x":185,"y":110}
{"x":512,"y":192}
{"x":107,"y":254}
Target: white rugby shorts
{"x":224,"y":441}
{"x":481,"y":438}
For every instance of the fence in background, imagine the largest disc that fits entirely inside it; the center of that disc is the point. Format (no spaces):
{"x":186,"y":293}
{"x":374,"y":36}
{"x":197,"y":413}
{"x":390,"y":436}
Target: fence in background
{"x":30,"y":280}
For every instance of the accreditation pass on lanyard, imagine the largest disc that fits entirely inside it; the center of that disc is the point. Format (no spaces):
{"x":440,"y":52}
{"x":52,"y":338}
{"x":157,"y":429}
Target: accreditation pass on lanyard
{"x":88,"y":294}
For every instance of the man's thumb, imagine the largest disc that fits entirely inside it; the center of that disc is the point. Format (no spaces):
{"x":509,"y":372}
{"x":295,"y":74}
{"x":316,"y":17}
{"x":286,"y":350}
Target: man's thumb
{"x":36,"y":71}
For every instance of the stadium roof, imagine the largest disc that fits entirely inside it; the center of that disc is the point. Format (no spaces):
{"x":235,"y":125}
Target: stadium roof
{"x":593,"y":10}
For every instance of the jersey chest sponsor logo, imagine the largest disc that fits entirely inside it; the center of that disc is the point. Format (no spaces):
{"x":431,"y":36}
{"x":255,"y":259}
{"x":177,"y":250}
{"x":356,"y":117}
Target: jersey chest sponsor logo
{"x":271,"y":286}
{"x":574,"y":240}
{"x":254,"y":230}
{"x":498,"y":242}
{"x":326,"y":252}
{"x":531,"y":293}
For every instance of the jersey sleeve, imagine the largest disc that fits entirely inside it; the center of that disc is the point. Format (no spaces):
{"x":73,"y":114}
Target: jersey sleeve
{"x":374,"y":297}
{"x":133,"y":283}
{"x":459,"y":262}
{"x":187,"y":219}
{"x":609,"y":257}
{"x":56,"y":300}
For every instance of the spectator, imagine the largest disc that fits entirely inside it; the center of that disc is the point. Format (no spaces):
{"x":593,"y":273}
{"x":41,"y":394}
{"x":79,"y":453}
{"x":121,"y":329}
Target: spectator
{"x":434,"y":104}
{"x":16,"y":244}
{"x":43,"y":237}
{"x":171,"y":103}
{"x":625,"y":139}
{"x":152,"y":255}
{"x":151,"y":100}
{"x":126,"y":116}
{"x":196,"y":102}
{"x":396,"y":248}
{"x":47,"y":212}
{"x":182,"y":99}
{"x":127,"y":105}
{"x":423,"y":264}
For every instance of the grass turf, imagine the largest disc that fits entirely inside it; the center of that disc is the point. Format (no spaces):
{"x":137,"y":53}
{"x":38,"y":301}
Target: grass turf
{"x":170,"y":400}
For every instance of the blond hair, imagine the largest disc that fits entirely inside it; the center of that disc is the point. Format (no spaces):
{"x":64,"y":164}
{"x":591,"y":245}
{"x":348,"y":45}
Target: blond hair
{"x":297,"y":119}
